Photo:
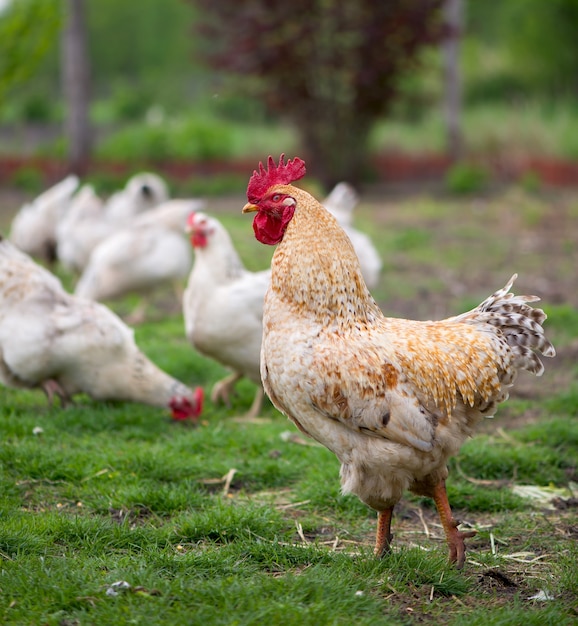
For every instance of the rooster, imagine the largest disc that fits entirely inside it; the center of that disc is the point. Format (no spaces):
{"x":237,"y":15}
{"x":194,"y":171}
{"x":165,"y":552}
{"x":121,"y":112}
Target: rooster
{"x":64,"y":344}
{"x":393,"y":399}
{"x":223,"y":307}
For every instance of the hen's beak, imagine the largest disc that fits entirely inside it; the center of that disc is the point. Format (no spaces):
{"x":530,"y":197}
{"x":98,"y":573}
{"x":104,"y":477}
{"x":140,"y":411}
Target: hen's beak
{"x":250,"y":208}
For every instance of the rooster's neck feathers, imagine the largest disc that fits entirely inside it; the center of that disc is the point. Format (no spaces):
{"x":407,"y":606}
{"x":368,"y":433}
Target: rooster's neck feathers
{"x":316,"y":270}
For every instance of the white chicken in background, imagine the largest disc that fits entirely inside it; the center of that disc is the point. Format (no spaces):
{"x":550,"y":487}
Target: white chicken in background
{"x":63,"y":344}
{"x":33,"y":227}
{"x":151,"y":251}
{"x":223,"y":307}
{"x":80,"y":229}
{"x":142,"y":192}
{"x":340,"y":203}
{"x":90,"y":219}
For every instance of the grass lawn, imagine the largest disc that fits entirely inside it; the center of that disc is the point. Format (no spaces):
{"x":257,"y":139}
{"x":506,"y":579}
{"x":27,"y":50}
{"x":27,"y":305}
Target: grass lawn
{"x":112,"y":514}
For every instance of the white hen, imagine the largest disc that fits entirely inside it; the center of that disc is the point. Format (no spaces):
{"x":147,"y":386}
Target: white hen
{"x":90,"y":220}
{"x":81,"y":228}
{"x":223,"y":307}
{"x":142,"y":192}
{"x":340,"y":203}
{"x":149,"y":252}
{"x":65,"y":345}
{"x":33,"y":228}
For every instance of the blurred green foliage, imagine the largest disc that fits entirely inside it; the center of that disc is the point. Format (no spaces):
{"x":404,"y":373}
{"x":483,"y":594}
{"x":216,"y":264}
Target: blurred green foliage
{"x":518,"y":58}
{"x":517,"y":48}
{"x":141,"y":52}
{"x":465,"y":178}
{"x":145,"y":52}
{"x":28,"y":30}
{"x":28,"y":179}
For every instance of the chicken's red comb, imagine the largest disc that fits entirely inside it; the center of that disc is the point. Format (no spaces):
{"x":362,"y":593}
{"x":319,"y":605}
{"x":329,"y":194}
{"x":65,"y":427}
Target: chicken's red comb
{"x":183,"y":409}
{"x":281,"y":174}
{"x":190,"y":219}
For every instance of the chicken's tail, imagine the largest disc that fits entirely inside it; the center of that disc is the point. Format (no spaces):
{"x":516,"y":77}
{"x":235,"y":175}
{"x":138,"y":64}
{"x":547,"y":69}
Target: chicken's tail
{"x":60,"y":192}
{"x":519,"y":323}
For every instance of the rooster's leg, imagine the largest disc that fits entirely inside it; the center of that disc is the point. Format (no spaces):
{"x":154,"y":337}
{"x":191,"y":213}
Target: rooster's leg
{"x":223,"y":388}
{"x":383,"y":535}
{"x":454,"y":537}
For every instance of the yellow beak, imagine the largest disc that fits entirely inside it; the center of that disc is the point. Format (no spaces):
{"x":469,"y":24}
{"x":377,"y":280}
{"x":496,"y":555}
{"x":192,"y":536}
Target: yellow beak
{"x":250,"y":208}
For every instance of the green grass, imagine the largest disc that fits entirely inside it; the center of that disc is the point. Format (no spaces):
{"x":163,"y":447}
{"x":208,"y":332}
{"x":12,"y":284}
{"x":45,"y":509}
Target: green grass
{"x":111,"y":492}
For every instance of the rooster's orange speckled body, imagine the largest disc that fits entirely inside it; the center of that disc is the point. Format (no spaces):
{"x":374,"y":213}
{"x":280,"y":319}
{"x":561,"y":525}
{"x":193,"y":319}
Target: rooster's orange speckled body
{"x":392,"y":398}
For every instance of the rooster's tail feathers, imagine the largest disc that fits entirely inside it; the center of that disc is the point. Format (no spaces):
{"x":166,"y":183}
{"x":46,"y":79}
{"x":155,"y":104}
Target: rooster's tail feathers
{"x":519,"y":323}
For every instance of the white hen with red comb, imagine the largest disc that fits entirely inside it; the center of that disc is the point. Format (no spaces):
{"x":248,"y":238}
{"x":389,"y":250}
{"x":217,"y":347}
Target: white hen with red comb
{"x":223,"y":307}
{"x":65,"y":345}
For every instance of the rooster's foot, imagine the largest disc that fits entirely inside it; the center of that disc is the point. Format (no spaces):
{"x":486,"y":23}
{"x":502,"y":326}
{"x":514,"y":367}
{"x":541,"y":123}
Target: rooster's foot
{"x":454,"y":537}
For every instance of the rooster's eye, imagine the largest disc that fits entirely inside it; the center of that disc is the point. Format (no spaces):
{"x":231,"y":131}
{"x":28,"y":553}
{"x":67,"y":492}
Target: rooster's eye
{"x":276,"y":197}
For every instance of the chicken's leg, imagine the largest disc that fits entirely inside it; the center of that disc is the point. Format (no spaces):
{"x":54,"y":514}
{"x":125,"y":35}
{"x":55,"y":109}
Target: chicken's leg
{"x":454,"y":537}
{"x":383,"y":535}
{"x":52,"y":388}
{"x":255,"y":409}
{"x":222,"y":389}
{"x":138,"y":314}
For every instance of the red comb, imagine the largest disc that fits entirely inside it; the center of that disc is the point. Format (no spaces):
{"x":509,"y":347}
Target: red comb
{"x":281,"y":174}
{"x":183,"y":409}
{"x":190,"y":220}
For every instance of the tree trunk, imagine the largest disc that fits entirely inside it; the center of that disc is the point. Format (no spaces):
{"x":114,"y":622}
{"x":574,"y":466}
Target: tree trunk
{"x":76,"y":84}
{"x":335,"y":144}
{"x":453,"y":10}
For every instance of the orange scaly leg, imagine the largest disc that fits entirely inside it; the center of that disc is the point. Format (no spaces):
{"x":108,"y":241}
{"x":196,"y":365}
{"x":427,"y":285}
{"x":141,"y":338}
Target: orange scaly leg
{"x":383,"y":535}
{"x":454,"y":537}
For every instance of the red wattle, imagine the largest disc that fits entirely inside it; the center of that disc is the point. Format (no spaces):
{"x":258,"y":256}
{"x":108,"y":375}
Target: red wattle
{"x":270,"y":228}
{"x":198,"y":239}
